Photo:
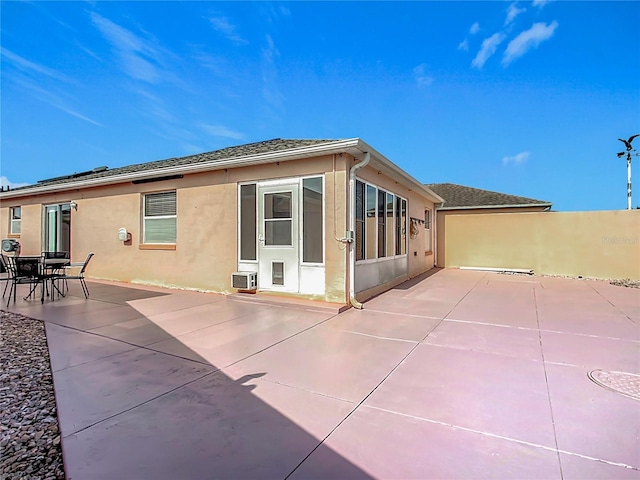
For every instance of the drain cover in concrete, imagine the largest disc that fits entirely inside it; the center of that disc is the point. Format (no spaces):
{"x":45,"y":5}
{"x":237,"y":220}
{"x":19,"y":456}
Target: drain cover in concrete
{"x":624,"y":383}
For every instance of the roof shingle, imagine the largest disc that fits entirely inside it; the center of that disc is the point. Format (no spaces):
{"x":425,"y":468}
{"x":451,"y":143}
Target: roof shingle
{"x":228,"y":153}
{"x":458,"y":196}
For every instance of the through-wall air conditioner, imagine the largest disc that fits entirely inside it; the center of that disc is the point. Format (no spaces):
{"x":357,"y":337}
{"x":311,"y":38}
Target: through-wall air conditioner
{"x":244,"y":280}
{"x":10,"y":245}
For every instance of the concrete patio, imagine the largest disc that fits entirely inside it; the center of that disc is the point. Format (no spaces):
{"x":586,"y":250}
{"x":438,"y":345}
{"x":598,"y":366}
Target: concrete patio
{"x":457,"y":374}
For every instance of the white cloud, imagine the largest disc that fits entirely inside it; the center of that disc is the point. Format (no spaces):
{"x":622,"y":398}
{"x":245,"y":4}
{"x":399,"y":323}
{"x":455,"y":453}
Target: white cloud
{"x":475,"y":28}
{"x":138,"y":56}
{"x":512,"y":12}
{"x":527,"y":40}
{"x":540,"y":3}
{"x":423,"y":79}
{"x":270,"y":91}
{"x":464,"y":45}
{"x":222,"y":131}
{"x":224,"y":26}
{"x":31,"y":67}
{"x":5,"y":182}
{"x":48,"y":95}
{"x":489,"y":46}
{"x":518,"y":159}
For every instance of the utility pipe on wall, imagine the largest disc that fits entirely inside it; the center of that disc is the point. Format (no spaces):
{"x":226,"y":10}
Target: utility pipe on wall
{"x":352,"y":228}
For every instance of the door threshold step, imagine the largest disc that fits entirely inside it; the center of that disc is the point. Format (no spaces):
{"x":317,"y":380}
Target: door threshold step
{"x":288,"y":302}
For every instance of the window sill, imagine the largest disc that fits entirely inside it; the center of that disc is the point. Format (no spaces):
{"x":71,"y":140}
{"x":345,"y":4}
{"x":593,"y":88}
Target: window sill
{"x":157,"y":246}
{"x":13,"y":235}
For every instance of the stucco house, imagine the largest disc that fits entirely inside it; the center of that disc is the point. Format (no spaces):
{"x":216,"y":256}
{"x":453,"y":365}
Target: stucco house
{"x":463,"y":200}
{"x":331,"y":220}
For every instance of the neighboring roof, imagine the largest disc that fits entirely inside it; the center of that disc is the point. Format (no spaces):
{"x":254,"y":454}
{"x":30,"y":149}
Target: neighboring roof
{"x":270,"y":151}
{"x":461,"y":197}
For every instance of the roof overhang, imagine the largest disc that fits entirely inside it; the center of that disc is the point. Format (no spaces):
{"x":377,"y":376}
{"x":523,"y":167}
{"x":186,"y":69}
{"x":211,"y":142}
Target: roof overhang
{"x":352,"y":146}
{"x":480,"y":207}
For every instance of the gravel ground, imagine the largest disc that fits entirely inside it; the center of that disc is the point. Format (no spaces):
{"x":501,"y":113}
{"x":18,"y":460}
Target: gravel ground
{"x":29,"y":434}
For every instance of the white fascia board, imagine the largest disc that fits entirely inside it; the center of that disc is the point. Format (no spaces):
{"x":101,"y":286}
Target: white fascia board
{"x":249,"y":160}
{"x":498,"y":206}
{"x":353,"y":146}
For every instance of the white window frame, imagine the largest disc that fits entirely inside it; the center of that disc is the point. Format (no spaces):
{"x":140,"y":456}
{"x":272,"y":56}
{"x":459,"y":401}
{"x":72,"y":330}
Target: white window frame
{"x":13,"y":222}
{"x":395,"y":196}
{"x":428,"y":218}
{"x":301,"y":222}
{"x":240,"y":259}
{"x":158,"y":217}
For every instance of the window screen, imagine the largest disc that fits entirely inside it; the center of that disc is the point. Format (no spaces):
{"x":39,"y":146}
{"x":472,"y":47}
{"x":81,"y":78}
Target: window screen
{"x":248,"y":228}
{"x":312,"y":235}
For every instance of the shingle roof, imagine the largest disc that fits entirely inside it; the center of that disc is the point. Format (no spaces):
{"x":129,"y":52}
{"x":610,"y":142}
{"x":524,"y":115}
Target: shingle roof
{"x":228,"y":153}
{"x":459,"y":196}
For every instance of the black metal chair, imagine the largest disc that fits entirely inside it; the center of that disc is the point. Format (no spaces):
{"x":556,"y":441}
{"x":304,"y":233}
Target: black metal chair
{"x":79,"y":276}
{"x":55,"y":273}
{"x":26,"y":270}
{"x":8,"y":271}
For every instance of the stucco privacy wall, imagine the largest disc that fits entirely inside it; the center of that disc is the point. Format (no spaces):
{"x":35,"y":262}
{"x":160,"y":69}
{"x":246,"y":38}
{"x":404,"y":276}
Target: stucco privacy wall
{"x":602,"y":244}
{"x":206,"y":248}
{"x":441,"y":223}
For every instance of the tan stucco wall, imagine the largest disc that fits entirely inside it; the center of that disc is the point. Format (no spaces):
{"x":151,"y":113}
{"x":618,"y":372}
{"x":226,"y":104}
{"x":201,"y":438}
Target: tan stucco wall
{"x":602,"y":244}
{"x":441,"y":224}
{"x":206,"y":248}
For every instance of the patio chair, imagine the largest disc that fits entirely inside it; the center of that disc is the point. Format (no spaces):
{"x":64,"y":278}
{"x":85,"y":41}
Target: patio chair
{"x":26,"y":270}
{"x":7,"y":270}
{"x":54,"y":273}
{"x":79,"y":276}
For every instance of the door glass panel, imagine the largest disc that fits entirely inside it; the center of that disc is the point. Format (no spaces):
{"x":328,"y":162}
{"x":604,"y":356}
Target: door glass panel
{"x":277,"y":273}
{"x":277,"y":205}
{"x":277,"y":233}
{"x":278,"y":226}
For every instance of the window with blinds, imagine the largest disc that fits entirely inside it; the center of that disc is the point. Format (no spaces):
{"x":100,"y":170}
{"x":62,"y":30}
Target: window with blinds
{"x":160,"y":219}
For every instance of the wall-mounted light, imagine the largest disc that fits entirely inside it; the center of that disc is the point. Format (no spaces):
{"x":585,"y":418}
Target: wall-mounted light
{"x":74,"y":205}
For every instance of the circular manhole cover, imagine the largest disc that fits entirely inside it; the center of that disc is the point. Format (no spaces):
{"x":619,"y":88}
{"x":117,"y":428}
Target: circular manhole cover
{"x":626,"y":384}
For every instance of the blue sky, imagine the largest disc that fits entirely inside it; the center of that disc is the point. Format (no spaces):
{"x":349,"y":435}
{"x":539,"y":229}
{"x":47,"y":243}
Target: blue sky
{"x":527,"y":98}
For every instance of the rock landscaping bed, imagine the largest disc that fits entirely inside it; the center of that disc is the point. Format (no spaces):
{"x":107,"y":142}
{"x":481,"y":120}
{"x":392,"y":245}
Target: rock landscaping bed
{"x":29,"y":432}
{"x":626,"y":283}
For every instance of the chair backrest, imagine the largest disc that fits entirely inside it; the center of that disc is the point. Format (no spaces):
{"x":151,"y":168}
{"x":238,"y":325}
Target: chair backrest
{"x":86,"y":262}
{"x":27,"y":266}
{"x":4,"y":264}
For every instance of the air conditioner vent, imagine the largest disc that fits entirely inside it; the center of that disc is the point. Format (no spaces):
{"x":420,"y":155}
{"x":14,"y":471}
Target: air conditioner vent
{"x":10,"y":245}
{"x":244,"y":280}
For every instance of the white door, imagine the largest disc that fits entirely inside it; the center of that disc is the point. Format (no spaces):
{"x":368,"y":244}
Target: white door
{"x":278,"y":237}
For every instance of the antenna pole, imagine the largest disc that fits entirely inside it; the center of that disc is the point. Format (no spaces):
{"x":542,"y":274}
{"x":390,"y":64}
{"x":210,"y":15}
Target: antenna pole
{"x":628,"y":180}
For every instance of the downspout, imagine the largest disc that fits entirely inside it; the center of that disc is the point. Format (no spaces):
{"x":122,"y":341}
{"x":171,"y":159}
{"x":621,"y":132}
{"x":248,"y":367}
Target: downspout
{"x":351,"y":212}
{"x":435,"y":235}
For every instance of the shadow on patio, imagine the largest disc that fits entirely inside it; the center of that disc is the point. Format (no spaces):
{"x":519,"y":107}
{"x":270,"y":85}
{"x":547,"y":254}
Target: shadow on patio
{"x":136,"y":401}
